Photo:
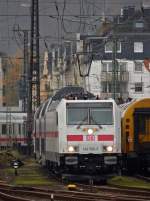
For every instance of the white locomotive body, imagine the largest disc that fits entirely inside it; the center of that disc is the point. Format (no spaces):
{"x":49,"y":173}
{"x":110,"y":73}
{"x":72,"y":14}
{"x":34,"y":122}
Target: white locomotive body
{"x":78,"y":135}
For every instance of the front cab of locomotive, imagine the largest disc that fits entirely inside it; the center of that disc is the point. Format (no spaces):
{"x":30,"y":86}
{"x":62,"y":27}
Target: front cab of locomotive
{"x":89,"y":136}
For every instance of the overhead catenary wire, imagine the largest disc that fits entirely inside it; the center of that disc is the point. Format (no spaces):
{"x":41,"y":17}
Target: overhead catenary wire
{"x":86,"y":15}
{"x":116,"y":2}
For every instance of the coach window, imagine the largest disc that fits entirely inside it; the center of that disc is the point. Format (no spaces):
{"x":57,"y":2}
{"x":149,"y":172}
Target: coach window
{"x":42,"y":145}
{"x":38,"y":111}
{"x":4,"y":129}
{"x":44,"y":109}
{"x":13,"y":129}
{"x":37,"y":144}
{"x":142,"y":125}
{"x":19,"y":129}
{"x":24,"y":129}
{"x":127,"y":136}
{"x":57,"y":118}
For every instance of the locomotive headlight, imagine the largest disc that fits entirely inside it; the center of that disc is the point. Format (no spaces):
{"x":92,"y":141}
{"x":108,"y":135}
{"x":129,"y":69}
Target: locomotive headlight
{"x":71,"y":149}
{"x":90,"y":131}
{"x":109,"y":148}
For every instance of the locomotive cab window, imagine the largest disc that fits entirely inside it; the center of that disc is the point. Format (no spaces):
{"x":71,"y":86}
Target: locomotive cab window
{"x":101,"y":116}
{"x":77,"y":116}
{"x":91,"y":114}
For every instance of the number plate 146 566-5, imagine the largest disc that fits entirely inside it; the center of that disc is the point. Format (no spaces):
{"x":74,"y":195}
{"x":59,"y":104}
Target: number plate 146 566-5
{"x":89,"y":148}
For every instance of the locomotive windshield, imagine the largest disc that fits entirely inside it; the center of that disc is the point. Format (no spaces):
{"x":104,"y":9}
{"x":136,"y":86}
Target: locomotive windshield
{"x":89,"y":113}
{"x":77,"y":115}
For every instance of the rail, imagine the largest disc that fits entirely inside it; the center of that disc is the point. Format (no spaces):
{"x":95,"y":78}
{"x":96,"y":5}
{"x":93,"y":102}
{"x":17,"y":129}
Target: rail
{"x":10,"y":193}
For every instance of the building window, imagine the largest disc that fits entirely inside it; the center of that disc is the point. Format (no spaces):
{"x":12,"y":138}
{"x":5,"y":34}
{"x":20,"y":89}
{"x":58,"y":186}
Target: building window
{"x":122,"y":67}
{"x":47,"y":87}
{"x":138,"y":66}
{"x":139,"y":25}
{"x":110,"y":67}
{"x":104,"y":67}
{"x":56,"y":59}
{"x":109,"y":88}
{"x":104,"y":87}
{"x":138,"y":47}
{"x":4,"y":90}
{"x":4,"y":129}
{"x":138,"y":87}
{"x":109,"y":47}
{"x":107,"y":67}
{"x":4,"y":104}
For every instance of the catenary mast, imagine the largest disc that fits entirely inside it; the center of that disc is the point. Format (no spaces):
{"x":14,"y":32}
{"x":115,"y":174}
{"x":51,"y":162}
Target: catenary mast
{"x":33,"y":72}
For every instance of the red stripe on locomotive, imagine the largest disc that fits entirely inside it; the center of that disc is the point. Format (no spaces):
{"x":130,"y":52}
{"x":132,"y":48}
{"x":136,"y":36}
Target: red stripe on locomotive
{"x":74,"y":137}
{"x":105,"y":137}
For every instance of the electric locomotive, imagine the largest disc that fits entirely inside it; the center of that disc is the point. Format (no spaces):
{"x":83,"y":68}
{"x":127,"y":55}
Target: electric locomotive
{"x":75,"y":133}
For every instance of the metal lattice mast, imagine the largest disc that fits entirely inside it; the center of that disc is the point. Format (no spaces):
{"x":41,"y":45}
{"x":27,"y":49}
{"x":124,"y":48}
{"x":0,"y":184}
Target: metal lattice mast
{"x":114,"y":71}
{"x":33,"y":72}
{"x":34,"y":56}
{"x":26,"y":64}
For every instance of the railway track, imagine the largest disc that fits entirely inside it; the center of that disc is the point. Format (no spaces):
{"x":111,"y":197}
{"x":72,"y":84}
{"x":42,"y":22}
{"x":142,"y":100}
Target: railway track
{"x":147,"y":179}
{"x":10,"y":193}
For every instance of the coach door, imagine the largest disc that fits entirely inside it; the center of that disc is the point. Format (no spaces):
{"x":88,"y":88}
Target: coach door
{"x":142,"y":129}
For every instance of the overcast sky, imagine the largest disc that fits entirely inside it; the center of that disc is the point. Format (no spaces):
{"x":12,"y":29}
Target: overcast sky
{"x":14,"y":13}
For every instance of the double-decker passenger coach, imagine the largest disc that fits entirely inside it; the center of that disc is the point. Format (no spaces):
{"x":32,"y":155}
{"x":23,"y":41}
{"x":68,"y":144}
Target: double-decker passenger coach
{"x":13,"y":130}
{"x":136,"y":135}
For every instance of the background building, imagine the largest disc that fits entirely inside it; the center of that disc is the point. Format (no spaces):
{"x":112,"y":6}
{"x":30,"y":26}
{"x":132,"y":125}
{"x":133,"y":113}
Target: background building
{"x":109,"y":63}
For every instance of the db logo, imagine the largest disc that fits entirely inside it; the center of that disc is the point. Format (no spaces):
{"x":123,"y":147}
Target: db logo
{"x":147,"y":64}
{"x":90,"y":138}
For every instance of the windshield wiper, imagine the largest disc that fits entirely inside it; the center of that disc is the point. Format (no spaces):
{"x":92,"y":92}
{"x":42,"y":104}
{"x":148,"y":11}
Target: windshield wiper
{"x":91,"y":118}
{"x":81,"y":123}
